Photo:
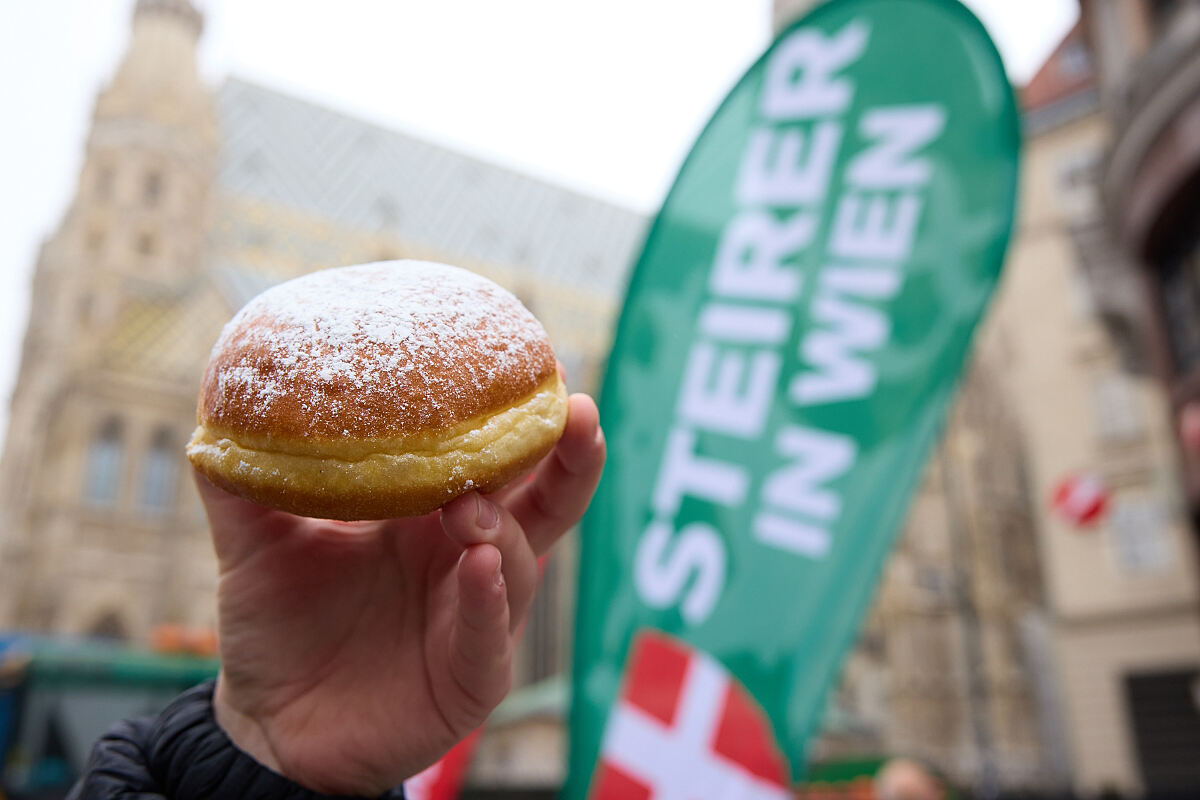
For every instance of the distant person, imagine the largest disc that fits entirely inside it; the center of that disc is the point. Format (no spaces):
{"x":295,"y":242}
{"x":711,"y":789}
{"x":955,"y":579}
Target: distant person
{"x":353,"y":655}
{"x":905,"y":779}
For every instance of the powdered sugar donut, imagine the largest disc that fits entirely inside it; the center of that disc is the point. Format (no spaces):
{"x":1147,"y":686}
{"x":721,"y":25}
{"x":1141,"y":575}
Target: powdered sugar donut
{"x":377,"y":391}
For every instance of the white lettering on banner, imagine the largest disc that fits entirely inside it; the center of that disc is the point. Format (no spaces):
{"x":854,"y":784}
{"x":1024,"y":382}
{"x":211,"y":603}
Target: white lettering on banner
{"x":685,"y":473}
{"x":751,"y":252}
{"x":876,"y":227}
{"x":733,"y":367}
{"x":801,"y":77}
{"x":719,"y":396}
{"x":784,"y":180}
{"x":816,"y":458}
{"x":677,"y":762}
{"x":898,"y":131}
{"x":661,"y":572}
{"x":848,"y":330}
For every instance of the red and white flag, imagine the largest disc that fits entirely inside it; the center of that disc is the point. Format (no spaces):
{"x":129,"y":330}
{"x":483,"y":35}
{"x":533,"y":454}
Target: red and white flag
{"x":444,"y":779}
{"x":685,"y":729}
{"x":1081,"y":499}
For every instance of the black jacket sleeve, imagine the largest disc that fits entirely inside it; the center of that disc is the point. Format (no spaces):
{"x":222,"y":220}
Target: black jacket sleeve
{"x":182,"y":755}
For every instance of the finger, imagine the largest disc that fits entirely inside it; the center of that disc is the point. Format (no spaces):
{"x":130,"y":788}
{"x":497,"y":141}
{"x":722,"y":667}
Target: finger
{"x":237,"y":524}
{"x":480,"y":643}
{"x":565,"y":481}
{"x":472,"y":520}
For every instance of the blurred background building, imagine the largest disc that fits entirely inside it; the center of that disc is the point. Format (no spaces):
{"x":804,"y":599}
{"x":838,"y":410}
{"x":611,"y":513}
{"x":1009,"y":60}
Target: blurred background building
{"x":1147,"y":57}
{"x":1009,"y":647}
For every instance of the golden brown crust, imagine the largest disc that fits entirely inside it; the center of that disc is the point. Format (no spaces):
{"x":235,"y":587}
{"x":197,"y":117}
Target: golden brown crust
{"x":322,"y":391}
{"x":402,"y":478}
{"x":417,"y":399}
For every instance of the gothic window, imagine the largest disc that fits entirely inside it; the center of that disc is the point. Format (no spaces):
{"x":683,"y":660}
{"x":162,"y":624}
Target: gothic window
{"x":94,"y":241}
{"x":102,"y":480}
{"x":159,"y":470}
{"x":152,"y":188}
{"x":1114,"y":406}
{"x":146,"y":244}
{"x":105,"y":179}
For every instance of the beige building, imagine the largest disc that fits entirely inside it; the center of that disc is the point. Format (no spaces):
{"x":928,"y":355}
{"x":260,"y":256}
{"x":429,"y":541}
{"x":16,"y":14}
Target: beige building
{"x":1123,"y":594}
{"x":948,"y":668}
{"x":1148,"y":71}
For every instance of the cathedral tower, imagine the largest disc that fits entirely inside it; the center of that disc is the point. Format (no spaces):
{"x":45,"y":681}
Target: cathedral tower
{"x":90,"y":479}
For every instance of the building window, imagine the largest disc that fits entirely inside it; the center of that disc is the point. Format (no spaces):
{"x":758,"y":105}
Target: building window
{"x":1162,"y":12}
{"x":152,"y":188}
{"x":1140,"y":534}
{"x":102,"y":480}
{"x":1077,"y":180}
{"x":1079,"y":293}
{"x":94,"y":241}
{"x":1074,"y":61}
{"x":87,"y":304}
{"x":1114,"y":406}
{"x":146,"y":244}
{"x":159,"y":471}
{"x":105,"y":180}
{"x":1179,"y":287}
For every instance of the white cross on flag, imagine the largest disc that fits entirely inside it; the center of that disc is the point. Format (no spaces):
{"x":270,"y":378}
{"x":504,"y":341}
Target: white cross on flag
{"x":685,"y":729}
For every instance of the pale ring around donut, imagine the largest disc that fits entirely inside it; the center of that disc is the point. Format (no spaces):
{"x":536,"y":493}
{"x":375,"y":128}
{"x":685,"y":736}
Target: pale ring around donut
{"x":384,"y":478}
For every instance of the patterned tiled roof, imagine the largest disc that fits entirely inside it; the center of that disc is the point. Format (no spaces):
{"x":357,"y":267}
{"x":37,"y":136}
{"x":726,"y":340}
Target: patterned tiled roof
{"x":165,"y":337}
{"x":286,"y":151}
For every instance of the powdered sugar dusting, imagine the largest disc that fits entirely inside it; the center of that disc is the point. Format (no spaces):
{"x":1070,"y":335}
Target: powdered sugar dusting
{"x":374,"y":350}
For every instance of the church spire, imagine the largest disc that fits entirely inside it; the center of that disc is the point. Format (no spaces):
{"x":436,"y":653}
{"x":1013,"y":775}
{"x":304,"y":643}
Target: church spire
{"x":158,"y":78}
{"x":181,"y":10}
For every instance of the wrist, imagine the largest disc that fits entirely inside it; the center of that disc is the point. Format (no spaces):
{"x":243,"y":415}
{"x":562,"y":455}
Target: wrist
{"x":246,"y":733}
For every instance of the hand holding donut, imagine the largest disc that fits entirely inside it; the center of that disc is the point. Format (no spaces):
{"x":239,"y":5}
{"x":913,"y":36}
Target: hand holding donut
{"x":354,"y":654}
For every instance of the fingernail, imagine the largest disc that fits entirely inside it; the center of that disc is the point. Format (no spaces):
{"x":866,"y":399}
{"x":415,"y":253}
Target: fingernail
{"x":498,"y":576}
{"x":486,"y":515}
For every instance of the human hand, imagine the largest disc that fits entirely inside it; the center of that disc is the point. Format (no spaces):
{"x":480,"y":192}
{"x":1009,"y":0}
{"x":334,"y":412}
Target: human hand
{"x":355,"y":654}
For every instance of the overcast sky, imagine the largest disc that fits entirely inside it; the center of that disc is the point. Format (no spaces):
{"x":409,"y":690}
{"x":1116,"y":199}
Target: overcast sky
{"x":569,"y":90}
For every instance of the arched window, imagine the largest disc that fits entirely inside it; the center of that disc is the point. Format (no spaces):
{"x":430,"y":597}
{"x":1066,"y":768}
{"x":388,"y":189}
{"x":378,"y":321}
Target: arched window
{"x":152,"y":188}
{"x":102,"y":480}
{"x":159,"y":471}
{"x":105,"y":179}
